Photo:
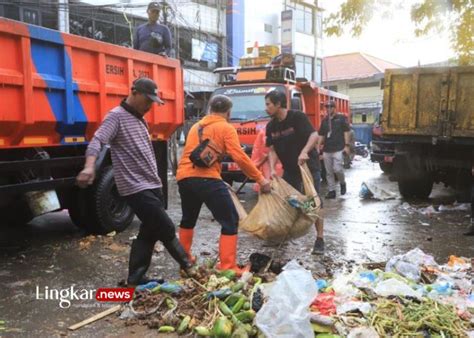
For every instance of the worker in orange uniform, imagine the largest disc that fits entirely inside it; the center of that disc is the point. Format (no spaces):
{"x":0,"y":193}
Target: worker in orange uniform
{"x":198,"y":184}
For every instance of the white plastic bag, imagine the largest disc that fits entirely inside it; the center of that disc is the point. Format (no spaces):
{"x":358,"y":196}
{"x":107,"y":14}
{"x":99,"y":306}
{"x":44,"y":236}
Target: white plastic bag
{"x":394,"y":287}
{"x":363,"y":332}
{"x":409,"y":264}
{"x":286,"y":313}
{"x":370,"y":190}
{"x":363,"y":307}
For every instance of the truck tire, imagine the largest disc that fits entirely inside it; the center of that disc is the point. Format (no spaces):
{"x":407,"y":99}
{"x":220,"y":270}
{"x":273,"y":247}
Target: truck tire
{"x":386,"y":167}
{"x":415,"y":188}
{"x":100,"y":209}
{"x":16,"y":214}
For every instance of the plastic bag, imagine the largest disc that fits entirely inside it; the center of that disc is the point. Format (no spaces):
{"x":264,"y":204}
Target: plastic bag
{"x":238,"y":206}
{"x":343,"y":287}
{"x":394,"y":287}
{"x":363,"y":332}
{"x":273,"y":218}
{"x":286,"y":313}
{"x":363,"y":307}
{"x":324,"y":303}
{"x":370,"y":190}
{"x":409,"y":265}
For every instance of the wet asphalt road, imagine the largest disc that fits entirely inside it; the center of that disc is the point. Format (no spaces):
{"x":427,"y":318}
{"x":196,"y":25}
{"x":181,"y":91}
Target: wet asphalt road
{"x":50,"y":252}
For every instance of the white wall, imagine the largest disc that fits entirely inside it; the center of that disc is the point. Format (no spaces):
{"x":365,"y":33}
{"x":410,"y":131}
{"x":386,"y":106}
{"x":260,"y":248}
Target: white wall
{"x":363,"y":95}
{"x":359,"y":95}
{"x":257,"y":13}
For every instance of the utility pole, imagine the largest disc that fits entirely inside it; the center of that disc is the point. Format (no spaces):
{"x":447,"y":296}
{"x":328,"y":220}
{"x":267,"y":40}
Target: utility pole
{"x":63,"y":16}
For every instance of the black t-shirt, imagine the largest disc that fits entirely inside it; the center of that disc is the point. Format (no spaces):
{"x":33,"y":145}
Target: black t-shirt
{"x":334,"y":133}
{"x":288,"y":137}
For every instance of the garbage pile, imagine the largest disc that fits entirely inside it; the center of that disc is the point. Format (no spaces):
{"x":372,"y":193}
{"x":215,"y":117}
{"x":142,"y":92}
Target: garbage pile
{"x":409,"y":296}
{"x":211,"y":303}
{"x":412,"y":296}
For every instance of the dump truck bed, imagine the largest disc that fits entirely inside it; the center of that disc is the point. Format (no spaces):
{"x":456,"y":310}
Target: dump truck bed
{"x":429,"y":103}
{"x":56,"y":88}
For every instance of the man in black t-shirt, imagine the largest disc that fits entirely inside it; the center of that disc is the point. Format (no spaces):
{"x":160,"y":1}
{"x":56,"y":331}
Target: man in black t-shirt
{"x":335,"y":134}
{"x":292,"y":139}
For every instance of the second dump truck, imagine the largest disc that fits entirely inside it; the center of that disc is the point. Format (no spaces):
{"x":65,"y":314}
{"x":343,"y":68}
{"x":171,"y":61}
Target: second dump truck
{"x":428,"y":115}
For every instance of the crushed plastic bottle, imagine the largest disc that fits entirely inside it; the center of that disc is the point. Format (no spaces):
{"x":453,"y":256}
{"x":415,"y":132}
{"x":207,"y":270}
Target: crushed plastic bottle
{"x":321,"y":284}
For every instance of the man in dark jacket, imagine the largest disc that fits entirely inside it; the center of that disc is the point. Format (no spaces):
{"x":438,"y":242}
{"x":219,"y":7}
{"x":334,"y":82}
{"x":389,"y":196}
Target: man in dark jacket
{"x":153,"y":37}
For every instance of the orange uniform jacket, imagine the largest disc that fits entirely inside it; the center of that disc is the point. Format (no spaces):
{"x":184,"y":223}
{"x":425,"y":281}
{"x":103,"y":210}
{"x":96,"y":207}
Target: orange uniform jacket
{"x":224,"y":135}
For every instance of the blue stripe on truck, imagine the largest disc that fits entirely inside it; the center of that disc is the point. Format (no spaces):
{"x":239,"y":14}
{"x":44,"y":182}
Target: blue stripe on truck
{"x":53,"y":63}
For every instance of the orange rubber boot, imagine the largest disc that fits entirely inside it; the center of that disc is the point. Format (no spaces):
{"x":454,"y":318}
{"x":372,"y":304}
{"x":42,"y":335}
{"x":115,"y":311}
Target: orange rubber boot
{"x":186,"y":240}
{"x":228,"y":254}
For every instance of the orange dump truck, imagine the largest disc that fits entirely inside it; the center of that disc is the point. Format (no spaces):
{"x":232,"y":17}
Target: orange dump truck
{"x":55,"y":89}
{"x":247,"y":88}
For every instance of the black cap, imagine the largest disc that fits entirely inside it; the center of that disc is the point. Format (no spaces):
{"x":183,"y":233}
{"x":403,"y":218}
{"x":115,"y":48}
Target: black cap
{"x":148,"y":87}
{"x":154,"y":6}
{"x":330,"y":104}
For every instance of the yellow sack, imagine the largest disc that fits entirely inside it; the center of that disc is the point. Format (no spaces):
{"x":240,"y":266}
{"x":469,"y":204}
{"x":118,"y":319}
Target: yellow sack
{"x":238,"y":206}
{"x":284,"y":213}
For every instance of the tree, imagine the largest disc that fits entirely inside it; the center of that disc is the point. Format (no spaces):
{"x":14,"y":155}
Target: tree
{"x":456,"y":16}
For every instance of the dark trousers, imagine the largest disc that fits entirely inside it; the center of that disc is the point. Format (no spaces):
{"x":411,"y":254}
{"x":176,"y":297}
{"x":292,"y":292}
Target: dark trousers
{"x":295,"y":180}
{"x":215,"y":194}
{"x":149,"y":208}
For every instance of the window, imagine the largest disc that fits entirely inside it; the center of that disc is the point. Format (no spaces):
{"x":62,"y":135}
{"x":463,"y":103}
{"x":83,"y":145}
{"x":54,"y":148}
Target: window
{"x":11,"y":12}
{"x":296,"y":101}
{"x":122,"y":36}
{"x":304,"y":66}
{"x":104,"y":31}
{"x":199,"y":50}
{"x":268,"y":28}
{"x":319,"y":25}
{"x":30,"y":16}
{"x":304,"y":19}
{"x":333,"y":88}
{"x":248,"y":102}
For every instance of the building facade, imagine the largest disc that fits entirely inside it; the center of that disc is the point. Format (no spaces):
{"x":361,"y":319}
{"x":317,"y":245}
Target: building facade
{"x":359,"y":76}
{"x":262,"y":24}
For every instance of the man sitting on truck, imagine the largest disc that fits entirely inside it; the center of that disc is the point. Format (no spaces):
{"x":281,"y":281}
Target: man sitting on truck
{"x":335,"y":135}
{"x":153,"y":37}
{"x":292,"y":140}
{"x":204,"y":185}
{"x":136,"y":177}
